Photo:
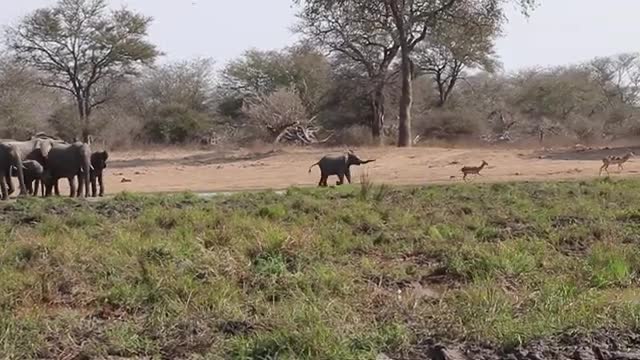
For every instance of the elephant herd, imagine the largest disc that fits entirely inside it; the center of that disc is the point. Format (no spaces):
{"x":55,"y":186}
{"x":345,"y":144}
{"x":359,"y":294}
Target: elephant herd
{"x":41,"y":161}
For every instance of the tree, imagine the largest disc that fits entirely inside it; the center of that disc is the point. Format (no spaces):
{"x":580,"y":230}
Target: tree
{"x":618,"y":77}
{"x":410,"y":22}
{"x":357,"y":30}
{"x":83,"y":49}
{"x":187,"y":83}
{"x":466,"y":40}
{"x":413,"y":21}
{"x":260,"y":73}
{"x":24,"y":106}
{"x":175,"y":101}
{"x":256,"y":72}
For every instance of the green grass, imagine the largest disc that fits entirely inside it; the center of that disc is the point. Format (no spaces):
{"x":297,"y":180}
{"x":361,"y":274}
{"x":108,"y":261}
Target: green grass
{"x":337,"y":273}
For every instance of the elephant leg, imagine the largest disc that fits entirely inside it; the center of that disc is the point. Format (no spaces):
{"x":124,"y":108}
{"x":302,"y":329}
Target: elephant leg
{"x":9,"y":183}
{"x":340,"y":179}
{"x":348,"y":175}
{"x":28,"y":183}
{"x":93,"y":180}
{"x":72,"y":186}
{"x":36,"y":187}
{"x":80,"y":186}
{"x":323,"y":179}
{"x":49,"y":185}
{"x":3,"y":189}
{"x":101,"y":183}
{"x":56,"y":188}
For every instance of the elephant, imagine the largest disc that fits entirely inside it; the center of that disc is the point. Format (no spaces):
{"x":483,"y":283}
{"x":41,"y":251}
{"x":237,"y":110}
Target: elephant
{"x":10,"y":156}
{"x":338,"y":165}
{"x":33,"y":172}
{"x":67,"y":161}
{"x":98,"y":164}
{"x":24,"y":150}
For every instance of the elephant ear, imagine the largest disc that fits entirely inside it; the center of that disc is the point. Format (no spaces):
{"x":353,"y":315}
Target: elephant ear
{"x":44,"y":146}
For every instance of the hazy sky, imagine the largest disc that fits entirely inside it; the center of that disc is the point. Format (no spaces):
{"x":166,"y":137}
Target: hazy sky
{"x":558,"y":32}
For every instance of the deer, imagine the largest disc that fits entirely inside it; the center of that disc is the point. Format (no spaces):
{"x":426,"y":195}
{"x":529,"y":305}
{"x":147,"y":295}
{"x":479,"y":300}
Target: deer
{"x":613,"y":160}
{"x":473,"y":170}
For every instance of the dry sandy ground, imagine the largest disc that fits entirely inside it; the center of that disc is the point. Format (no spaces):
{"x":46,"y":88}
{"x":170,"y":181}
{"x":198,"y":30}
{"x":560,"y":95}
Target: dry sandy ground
{"x":210,"y":171}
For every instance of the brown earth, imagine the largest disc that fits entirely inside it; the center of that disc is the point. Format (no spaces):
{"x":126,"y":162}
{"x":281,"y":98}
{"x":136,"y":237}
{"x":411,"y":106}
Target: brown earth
{"x":600,"y":345}
{"x":237,"y":170}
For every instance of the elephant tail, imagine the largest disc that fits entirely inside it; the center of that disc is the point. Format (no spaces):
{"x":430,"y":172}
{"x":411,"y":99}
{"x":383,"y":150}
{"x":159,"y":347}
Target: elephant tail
{"x":313,"y":166}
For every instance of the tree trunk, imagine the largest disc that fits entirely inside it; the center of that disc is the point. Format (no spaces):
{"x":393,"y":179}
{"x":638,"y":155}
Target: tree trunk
{"x":441,"y":92}
{"x":377,"y":120}
{"x":83,"y":113}
{"x":406,"y":98}
{"x":85,"y":130}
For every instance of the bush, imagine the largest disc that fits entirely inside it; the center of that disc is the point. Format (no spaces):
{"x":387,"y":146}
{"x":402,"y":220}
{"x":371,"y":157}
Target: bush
{"x":175,"y":124}
{"x":448,"y":125}
{"x":277,"y":111}
{"x":356,"y":135}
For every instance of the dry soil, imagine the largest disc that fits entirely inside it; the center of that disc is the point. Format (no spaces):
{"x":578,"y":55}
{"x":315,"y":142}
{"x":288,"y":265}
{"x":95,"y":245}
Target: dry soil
{"x":238,"y":170}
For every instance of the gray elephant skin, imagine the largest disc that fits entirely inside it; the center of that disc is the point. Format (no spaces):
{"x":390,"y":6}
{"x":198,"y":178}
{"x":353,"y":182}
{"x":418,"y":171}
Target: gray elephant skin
{"x":13,"y":152}
{"x":67,"y":161}
{"x":10,"y":156}
{"x":338,"y":165}
{"x":33,"y":172}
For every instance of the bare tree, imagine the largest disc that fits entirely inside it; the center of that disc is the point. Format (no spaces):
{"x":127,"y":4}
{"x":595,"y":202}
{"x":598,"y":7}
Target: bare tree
{"x":413,"y":21}
{"x":83,"y":49}
{"x":24,"y":106}
{"x":361,"y":31}
{"x":189,"y":83}
{"x":463,"y":40}
{"x":618,"y":77}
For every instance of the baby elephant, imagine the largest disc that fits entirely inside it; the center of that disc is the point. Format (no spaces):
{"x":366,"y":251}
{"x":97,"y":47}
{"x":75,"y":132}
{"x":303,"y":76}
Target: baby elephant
{"x":98,"y":164}
{"x":32,"y":172}
{"x":337,"y":165}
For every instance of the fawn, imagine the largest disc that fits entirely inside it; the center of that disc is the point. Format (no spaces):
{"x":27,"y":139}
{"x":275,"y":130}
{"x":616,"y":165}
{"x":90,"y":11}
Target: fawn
{"x":472,"y":170}
{"x":613,"y":160}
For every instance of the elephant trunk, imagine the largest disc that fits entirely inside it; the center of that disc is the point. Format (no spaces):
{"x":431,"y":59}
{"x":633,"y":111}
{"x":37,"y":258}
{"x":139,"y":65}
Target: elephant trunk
{"x":17,"y":159}
{"x":86,"y":169}
{"x":367,"y":161}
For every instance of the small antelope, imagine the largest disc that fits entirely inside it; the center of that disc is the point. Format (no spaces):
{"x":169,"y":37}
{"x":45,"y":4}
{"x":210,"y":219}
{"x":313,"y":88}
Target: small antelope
{"x":613,"y":160}
{"x":472,"y":170}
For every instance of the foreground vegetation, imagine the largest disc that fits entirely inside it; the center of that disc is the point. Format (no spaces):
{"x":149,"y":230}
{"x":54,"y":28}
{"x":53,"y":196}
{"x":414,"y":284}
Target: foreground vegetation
{"x":317,"y":274}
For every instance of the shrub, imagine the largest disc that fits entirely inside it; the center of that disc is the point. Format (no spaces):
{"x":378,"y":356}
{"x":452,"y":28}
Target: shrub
{"x":175,"y":124}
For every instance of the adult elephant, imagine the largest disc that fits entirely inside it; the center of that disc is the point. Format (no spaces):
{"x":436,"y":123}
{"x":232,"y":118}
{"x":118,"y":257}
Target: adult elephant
{"x":10,"y":157}
{"x":13,"y":151}
{"x":67,"y":161}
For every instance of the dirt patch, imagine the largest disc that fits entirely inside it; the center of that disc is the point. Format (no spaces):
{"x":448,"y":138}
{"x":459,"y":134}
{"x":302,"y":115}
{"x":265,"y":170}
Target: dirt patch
{"x":601,"y":345}
{"x":239,"y":170}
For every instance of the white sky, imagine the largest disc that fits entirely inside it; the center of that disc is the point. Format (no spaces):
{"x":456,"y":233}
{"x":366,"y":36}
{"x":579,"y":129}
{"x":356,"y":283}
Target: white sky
{"x":558,"y":32}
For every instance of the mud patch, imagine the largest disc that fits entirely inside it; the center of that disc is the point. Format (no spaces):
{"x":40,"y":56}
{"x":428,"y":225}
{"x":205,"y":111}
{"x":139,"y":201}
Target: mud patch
{"x":600,"y":345}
